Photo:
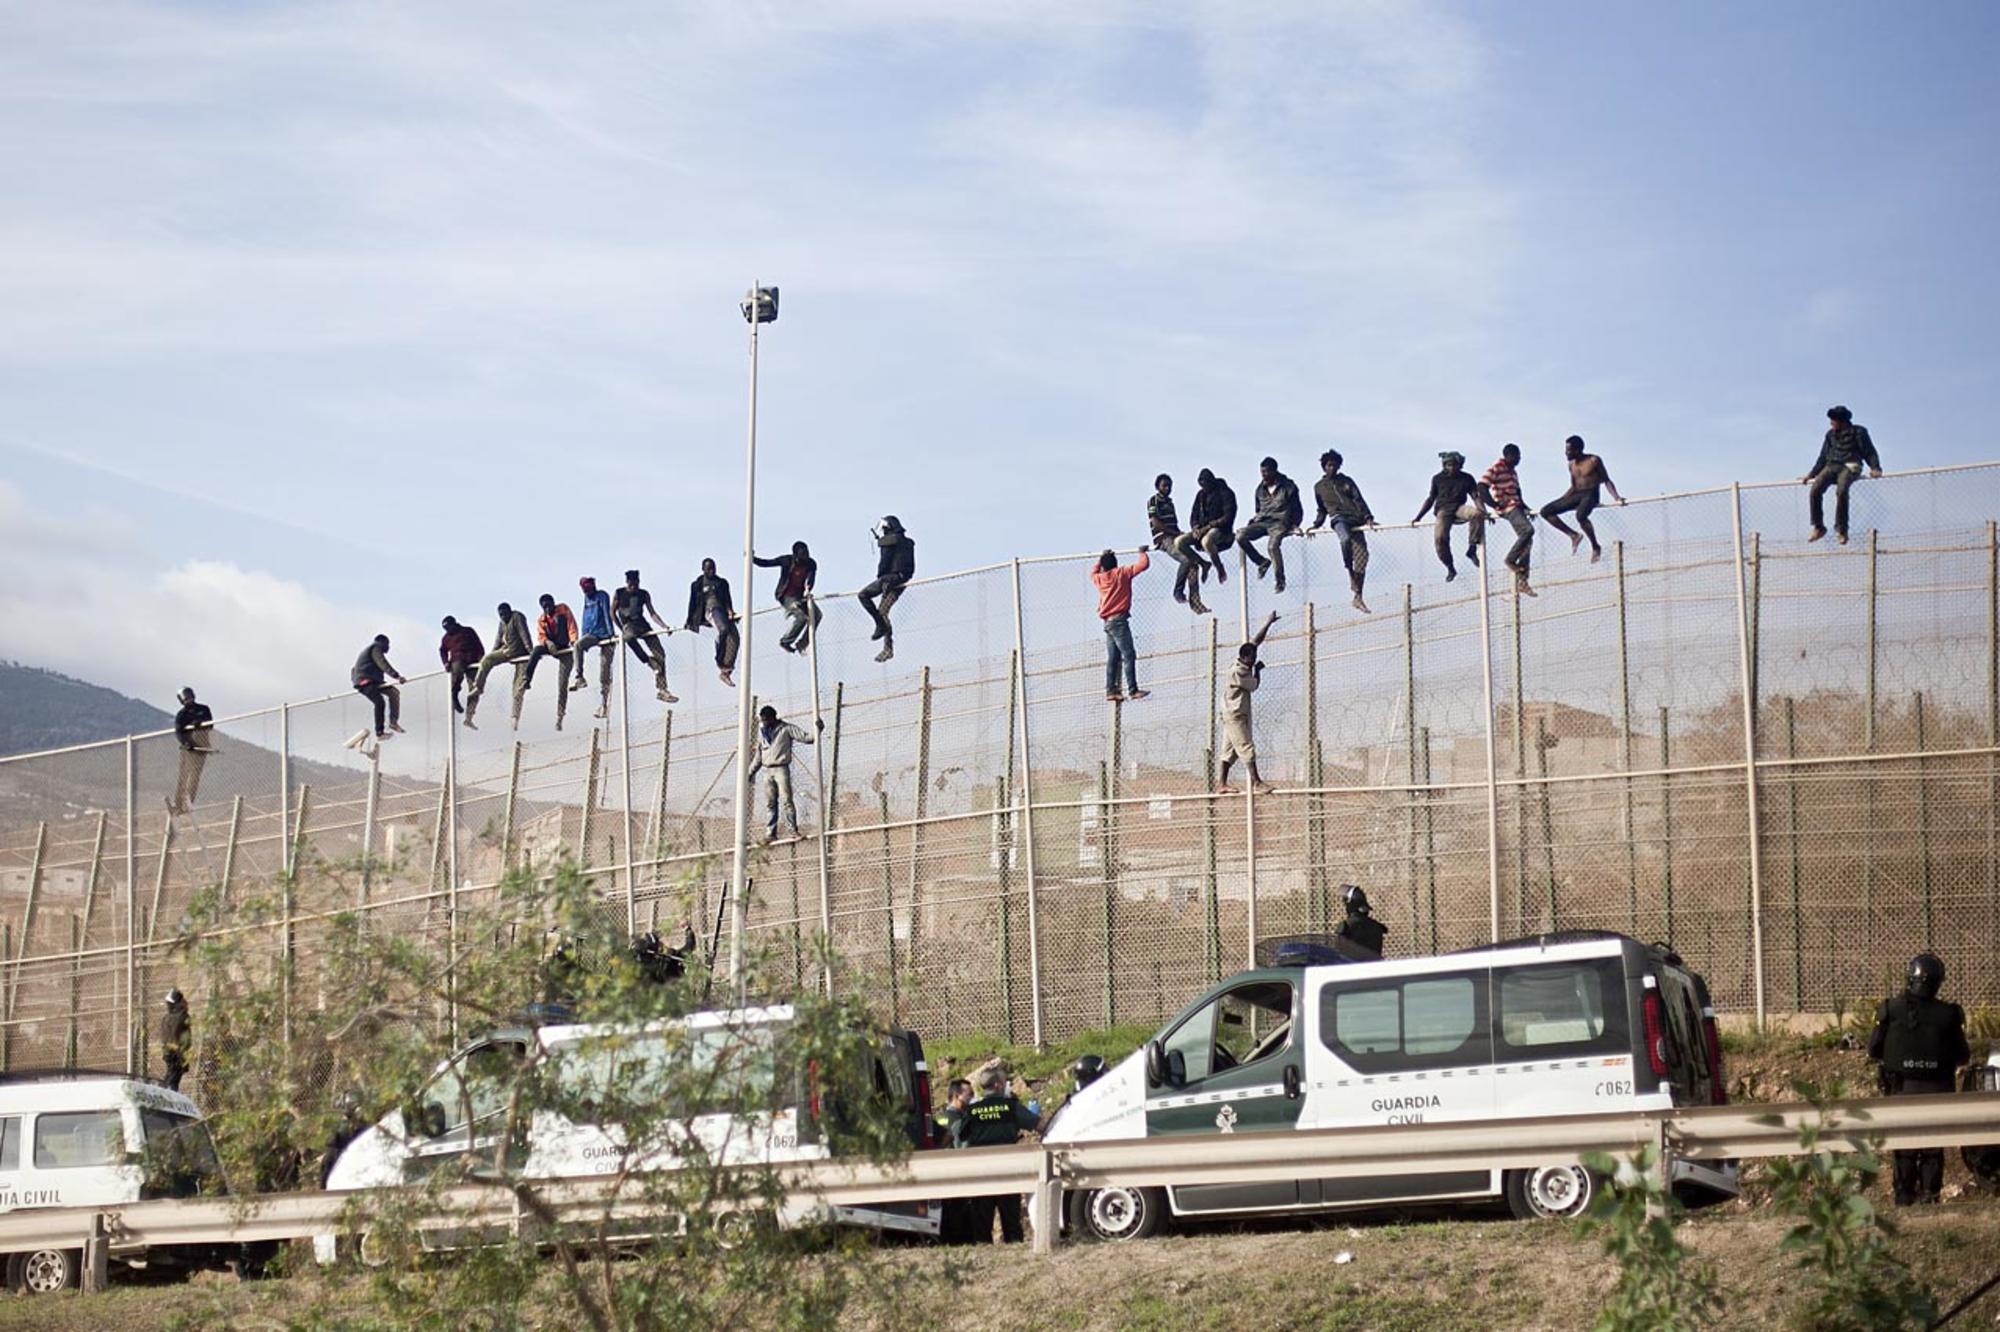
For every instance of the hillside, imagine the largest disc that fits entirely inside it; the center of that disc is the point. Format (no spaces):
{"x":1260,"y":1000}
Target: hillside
{"x":40,"y":709}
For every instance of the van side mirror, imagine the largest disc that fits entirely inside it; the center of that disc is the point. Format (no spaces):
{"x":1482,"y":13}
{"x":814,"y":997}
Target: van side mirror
{"x":433,"y":1120}
{"x":1177,"y":1069}
{"x":1156,"y":1064}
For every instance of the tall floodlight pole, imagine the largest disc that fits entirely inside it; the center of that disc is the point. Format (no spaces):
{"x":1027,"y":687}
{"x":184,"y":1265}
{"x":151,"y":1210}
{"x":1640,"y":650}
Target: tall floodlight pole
{"x":760,"y":306}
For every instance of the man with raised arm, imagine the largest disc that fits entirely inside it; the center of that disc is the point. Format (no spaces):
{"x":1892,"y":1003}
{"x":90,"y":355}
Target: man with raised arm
{"x":1842,"y":453}
{"x":1245,"y":674}
{"x":709,"y":606}
{"x":1114,"y":607}
{"x":1455,"y":496}
{"x":1279,"y":513}
{"x":775,"y":738}
{"x":1501,"y":489}
{"x":797,"y":572}
{"x":1587,"y":474}
{"x":1340,"y":499}
{"x":1165,"y":526}
{"x":895,"y":566}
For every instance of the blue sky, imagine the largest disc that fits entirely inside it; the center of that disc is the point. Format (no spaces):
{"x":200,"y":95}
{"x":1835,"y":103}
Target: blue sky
{"x":325,"y":317}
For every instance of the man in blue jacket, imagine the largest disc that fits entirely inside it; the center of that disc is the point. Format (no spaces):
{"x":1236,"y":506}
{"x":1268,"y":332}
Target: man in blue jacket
{"x":596,"y":631}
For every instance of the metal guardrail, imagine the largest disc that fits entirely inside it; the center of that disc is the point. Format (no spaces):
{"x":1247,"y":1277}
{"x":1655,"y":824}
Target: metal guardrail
{"x":1047,"y":1169}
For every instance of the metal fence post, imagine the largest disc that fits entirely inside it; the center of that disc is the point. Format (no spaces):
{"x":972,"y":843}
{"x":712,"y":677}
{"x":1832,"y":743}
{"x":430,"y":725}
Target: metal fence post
{"x":1868,"y":793}
{"x":1666,"y":824}
{"x":285,"y":786}
{"x":509,"y":833}
{"x":28,"y":912}
{"x":1249,"y":791}
{"x":1519,"y":728}
{"x":1923,"y":820}
{"x":1746,"y":653}
{"x":1410,"y":737}
{"x":131,"y":906}
{"x":367,"y":825}
{"x":1629,"y":826}
{"x":825,"y":797}
{"x":1492,"y":775}
{"x":1992,"y":715}
{"x":585,"y":825}
{"x":1028,"y":818}
{"x":96,"y":871}
{"x":625,"y":777}
{"x":1430,"y":845}
{"x":1316,"y":877}
{"x":1211,"y":888}
{"x":1792,"y":836}
{"x":922,"y":812}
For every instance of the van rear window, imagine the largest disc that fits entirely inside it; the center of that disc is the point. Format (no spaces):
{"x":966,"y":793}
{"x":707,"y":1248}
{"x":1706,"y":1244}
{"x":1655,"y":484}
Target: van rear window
{"x":1563,"y":1008}
{"x":79,"y":1138}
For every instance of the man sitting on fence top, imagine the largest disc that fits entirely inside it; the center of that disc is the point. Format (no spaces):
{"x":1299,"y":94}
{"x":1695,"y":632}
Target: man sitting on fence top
{"x":895,"y":566}
{"x":1587,"y":475}
{"x":709,"y":606}
{"x":1455,"y":496}
{"x":1846,"y":447}
{"x":595,"y":630}
{"x":370,"y":676}
{"x":511,"y":642}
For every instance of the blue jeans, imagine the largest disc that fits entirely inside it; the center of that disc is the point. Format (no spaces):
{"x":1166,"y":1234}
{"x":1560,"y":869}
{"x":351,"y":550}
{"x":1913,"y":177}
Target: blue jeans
{"x":1117,"y":646}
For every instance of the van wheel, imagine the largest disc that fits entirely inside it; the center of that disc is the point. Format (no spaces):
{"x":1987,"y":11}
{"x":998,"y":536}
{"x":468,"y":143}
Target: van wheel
{"x":45,"y":1271}
{"x":1550,"y":1191}
{"x":1117,"y":1214}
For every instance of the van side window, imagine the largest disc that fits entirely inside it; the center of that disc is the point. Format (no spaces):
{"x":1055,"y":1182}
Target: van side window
{"x":1239,"y":1027}
{"x":1407,"y":1025}
{"x":1563,"y":1008}
{"x":10,"y":1143}
{"x":80,"y":1138}
{"x":474,"y":1088}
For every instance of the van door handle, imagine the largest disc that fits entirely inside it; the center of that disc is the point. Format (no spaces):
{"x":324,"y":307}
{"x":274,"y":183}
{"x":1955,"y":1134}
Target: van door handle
{"x":1291,"y":1082}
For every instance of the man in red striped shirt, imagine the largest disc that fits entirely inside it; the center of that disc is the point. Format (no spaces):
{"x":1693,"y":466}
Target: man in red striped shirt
{"x":1114,"y":607}
{"x":1501,"y":488}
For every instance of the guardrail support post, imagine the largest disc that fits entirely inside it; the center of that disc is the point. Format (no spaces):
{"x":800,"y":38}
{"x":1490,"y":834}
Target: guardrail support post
{"x":97,"y":1258}
{"x":1044,"y":1204}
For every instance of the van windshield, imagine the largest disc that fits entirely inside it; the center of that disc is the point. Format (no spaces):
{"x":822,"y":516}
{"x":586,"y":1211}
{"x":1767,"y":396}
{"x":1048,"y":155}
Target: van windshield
{"x":179,"y":1151}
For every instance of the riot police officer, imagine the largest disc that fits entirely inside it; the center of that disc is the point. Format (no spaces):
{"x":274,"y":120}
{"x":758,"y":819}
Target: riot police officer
{"x":996,"y":1120}
{"x":1920,"y":1041}
{"x":1360,"y":928}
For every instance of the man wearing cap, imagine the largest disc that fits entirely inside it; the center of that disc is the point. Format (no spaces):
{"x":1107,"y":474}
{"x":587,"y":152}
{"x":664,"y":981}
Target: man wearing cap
{"x":895,"y":566}
{"x":1455,"y":496}
{"x":194,"y":726}
{"x":459,"y":652}
{"x":595,"y":631}
{"x":1500,"y":487}
{"x":633,"y":611}
{"x":1340,"y":499}
{"x":1279,"y":513}
{"x":1841,"y":455}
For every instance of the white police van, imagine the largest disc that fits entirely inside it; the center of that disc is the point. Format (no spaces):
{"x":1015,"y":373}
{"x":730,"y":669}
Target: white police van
{"x":455,"y":1120}
{"x":80,"y":1138}
{"x":1562,"y":1024}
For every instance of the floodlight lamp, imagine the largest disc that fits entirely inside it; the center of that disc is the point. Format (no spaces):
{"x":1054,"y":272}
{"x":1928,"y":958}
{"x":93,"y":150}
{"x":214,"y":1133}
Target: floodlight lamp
{"x":760,"y":305}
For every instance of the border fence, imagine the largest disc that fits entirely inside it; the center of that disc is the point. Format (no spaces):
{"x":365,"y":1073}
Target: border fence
{"x":1778,"y":756}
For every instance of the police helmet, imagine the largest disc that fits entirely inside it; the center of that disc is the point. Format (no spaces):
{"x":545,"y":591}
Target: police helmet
{"x":1353,"y":899}
{"x":175,"y":998}
{"x":1086,"y":1069}
{"x":1926,"y":975}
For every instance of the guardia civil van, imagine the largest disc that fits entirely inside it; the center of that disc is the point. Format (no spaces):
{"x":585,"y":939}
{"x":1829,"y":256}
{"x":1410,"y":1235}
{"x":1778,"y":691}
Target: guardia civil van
{"x":457,"y":1116}
{"x":80,"y":1138}
{"x":1560,"y":1024}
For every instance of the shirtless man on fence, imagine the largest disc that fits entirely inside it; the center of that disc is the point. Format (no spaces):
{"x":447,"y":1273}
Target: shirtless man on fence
{"x":1587,"y":473}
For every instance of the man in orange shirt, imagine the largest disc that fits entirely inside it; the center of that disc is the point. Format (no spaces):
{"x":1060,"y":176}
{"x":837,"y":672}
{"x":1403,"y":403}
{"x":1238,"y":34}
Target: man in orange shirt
{"x":557,"y":631}
{"x":1114,"y":607}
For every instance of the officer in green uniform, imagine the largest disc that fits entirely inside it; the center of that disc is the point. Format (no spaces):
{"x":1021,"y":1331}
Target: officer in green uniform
{"x":996,"y":1120}
{"x":1919,"y":1040}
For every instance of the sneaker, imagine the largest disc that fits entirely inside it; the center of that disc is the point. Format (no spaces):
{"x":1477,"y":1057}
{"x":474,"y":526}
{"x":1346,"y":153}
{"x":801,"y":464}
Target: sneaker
{"x":881,"y":632}
{"x":1472,"y":553}
{"x":1263,"y":788}
{"x":1280,"y":584}
{"x":1180,"y":595}
{"x":469,"y":724}
{"x":1521,"y":586}
{"x":576,"y":684}
{"x":1114,"y":698}
{"x":1449,"y":573}
{"x":380,"y":736}
{"x":666,"y":696}
{"x":1263,"y":568}
{"x":1138,"y":694}
{"x":1196,"y":606}
{"x":601,"y":713}
{"x":1221,"y":574}
{"x":726,"y":678}
{"x":1361,"y":605}
{"x":888,"y":651}
{"x":397,"y":727}
{"x":1817,"y":533}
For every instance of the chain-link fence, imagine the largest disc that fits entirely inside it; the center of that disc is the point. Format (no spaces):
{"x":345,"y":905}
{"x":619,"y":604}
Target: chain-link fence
{"x":991,"y":844}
